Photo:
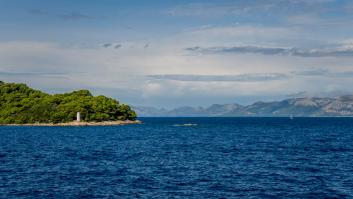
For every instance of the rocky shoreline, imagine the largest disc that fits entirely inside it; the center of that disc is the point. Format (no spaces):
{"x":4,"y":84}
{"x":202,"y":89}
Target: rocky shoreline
{"x":75,"y":123}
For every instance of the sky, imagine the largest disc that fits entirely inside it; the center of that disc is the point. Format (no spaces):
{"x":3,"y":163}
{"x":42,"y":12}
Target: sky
{"x":166,"y":53}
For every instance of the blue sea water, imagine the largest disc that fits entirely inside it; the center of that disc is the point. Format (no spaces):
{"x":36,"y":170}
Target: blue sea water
{"x":217,"y":158}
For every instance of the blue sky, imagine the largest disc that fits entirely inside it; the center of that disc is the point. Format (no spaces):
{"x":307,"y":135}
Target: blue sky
{"x":174,"y":53}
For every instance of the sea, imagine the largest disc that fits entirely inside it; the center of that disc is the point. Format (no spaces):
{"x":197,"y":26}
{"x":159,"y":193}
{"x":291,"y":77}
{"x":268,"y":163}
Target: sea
{"x":181,"y":158}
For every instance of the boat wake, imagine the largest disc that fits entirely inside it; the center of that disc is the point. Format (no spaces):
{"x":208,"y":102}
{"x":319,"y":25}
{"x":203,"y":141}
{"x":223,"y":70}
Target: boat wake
{"x":189,"y":124}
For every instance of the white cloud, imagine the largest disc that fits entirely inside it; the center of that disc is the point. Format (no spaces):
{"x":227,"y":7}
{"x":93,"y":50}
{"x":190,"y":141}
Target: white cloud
{"x":268,"y":7}
{"x":242,"y":31}
{"x":343,"y":51}
{"x":304,"y":19}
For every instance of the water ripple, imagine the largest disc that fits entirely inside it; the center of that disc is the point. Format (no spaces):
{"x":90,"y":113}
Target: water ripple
{"x":218,"y":158}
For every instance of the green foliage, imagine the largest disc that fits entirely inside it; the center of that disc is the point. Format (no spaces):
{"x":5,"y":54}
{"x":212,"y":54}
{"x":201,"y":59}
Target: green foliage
{"x":20,"y":104}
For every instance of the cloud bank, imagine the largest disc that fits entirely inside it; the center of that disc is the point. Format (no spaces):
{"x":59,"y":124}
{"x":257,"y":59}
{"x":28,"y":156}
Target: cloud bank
{"x":254,"y":77}
{"x":329,"y":52}
{"x":245,"y":7}
{"x":180,"y":53}
{"x":221,"y":78}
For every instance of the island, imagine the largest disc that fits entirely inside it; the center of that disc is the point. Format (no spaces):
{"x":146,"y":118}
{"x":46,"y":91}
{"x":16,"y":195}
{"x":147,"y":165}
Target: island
{"x":22,"y":105}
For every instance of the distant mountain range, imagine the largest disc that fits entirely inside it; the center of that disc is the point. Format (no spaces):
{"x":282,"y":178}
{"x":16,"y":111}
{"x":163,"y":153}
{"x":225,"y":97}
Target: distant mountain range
{"x":297,"y":107}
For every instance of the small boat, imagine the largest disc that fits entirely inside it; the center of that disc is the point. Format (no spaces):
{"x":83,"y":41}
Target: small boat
{"x":291,"y":117}
{"x":187,"y":124}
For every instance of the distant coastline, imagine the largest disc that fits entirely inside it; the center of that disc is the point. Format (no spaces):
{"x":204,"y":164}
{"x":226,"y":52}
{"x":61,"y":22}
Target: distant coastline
{"x":75,"y":123}
{"x":340,"y":106}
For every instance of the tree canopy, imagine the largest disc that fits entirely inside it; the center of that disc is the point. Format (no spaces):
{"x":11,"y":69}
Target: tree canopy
{"x":20,"y":104}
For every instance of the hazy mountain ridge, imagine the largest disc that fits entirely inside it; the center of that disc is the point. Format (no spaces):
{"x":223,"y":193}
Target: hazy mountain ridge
{"x":307,"y":106}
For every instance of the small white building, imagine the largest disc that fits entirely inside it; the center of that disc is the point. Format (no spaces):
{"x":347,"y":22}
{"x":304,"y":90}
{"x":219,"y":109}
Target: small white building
{"x":78,"y":117}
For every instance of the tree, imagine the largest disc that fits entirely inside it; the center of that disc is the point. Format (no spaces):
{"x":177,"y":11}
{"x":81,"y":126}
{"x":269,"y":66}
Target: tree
{"x":21,"y":104}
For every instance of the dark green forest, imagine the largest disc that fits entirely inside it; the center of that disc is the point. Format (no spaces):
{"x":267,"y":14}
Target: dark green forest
{"x":20,"y":104}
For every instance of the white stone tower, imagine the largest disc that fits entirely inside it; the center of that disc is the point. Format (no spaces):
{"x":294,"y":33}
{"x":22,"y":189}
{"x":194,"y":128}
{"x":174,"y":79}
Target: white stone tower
{"x":78,"y":117}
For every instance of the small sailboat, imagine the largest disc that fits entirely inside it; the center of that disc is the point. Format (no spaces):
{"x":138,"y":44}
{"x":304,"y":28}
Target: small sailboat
{"x":291,"y":117}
